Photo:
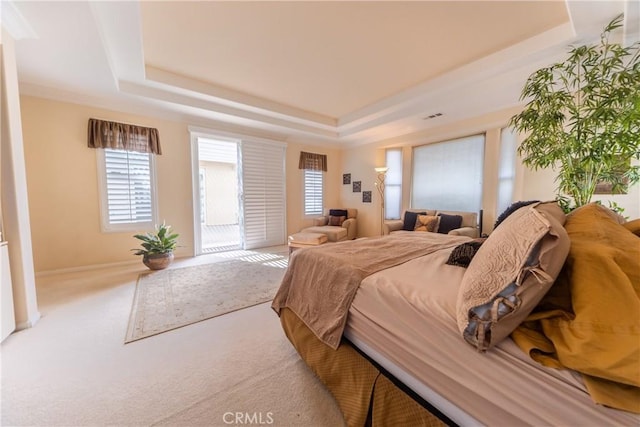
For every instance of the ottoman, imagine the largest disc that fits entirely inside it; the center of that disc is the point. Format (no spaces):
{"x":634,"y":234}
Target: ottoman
{"x":305,"y":240}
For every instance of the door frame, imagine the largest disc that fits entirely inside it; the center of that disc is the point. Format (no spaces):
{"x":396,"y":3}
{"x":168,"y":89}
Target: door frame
{"x":195,"y":133}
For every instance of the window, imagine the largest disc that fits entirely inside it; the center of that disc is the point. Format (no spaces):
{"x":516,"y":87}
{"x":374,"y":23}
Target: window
{"x":313,"y":197}
{"x":393,"y":184}
{"x":127,"y":190}
{"x":448,"y":175}
{"x":506,"y":169}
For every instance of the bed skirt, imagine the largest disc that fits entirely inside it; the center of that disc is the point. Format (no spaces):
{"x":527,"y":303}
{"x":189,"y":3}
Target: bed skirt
{"x":365,"y":394}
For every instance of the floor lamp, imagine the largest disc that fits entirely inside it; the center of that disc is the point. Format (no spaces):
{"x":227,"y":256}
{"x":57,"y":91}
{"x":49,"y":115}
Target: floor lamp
{"x":382,"y":174}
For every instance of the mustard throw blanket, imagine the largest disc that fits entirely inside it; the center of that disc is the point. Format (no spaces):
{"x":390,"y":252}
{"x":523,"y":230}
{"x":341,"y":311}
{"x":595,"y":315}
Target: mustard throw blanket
{"x":590,"y":319}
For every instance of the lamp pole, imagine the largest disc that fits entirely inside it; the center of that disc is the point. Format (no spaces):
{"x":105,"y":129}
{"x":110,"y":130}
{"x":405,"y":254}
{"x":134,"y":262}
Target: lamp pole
{"x":382,"y":174}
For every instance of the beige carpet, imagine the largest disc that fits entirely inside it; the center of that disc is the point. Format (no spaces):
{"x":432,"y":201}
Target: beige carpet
{"x":173,"y":298}
{"x":73,"y":369}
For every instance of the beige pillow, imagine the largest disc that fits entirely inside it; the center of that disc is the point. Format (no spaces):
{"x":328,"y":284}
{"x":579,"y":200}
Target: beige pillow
{"x":513,"y":269}
{"x":427,"y":223}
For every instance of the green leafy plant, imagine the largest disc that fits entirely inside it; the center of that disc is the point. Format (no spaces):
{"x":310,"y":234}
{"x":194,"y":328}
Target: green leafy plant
{"x":583,"y":118}
{"x":160,"y":242}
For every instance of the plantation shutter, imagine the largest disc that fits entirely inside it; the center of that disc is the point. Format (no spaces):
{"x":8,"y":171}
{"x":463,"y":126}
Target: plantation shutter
{"x":128,"y":183}
{"x":263,"y":194}
{"x":313,"y":198}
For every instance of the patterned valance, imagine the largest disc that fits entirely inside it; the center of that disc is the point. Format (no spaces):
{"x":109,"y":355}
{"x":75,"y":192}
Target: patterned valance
{"x":121,"y":136}
{"x":313,"y":161}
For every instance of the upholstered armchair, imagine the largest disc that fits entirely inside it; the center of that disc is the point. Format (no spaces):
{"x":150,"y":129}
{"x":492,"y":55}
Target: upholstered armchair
{"x":336,"y":224}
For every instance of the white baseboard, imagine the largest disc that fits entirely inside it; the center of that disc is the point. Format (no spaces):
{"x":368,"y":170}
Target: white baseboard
{"x":30,"y":323}
{"x":45,"y":273}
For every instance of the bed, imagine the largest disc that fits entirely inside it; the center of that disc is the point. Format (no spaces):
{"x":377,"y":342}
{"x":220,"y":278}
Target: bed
{"x":378,"y":321}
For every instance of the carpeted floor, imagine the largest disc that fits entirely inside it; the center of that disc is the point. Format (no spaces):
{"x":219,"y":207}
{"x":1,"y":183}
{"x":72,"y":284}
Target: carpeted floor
{"x":74,"y":369}
{"x":177,"y":297}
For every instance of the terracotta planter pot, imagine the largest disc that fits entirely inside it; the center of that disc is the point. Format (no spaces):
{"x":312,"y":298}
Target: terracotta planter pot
{"x":158,"y":261}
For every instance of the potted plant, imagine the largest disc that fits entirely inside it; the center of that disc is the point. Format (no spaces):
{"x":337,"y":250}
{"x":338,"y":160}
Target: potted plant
{"x":583,"y":119}
{"x":157,"y":248}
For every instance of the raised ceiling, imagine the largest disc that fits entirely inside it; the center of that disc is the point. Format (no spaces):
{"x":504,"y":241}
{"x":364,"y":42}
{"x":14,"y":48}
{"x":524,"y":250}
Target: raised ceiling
{"x":332,"y":58}
{"x":323,"y":72}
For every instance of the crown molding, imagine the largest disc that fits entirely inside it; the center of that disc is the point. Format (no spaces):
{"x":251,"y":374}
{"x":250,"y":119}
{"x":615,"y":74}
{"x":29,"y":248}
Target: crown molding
{"x":14,"y":22}
{"x":237,"y":99}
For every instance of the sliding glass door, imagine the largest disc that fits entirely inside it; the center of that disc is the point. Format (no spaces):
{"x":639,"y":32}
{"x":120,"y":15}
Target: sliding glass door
{"x":218,"y":201}
{"x":238,"y":193}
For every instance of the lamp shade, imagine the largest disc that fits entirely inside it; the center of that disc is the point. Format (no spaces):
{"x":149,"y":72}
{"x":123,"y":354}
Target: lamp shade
{"x":382,"y":169}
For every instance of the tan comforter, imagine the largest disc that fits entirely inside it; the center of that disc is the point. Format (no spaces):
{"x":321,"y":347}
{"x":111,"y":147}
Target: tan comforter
{"x":321,"y":282}
{"x":590,"y":320}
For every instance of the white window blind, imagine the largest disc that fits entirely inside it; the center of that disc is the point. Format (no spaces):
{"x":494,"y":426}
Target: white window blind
{"x":506,"y":169}
{"x":127,"y":190}
{"x":263,"y":194}
{"x":393,"y":184}
{"x":448,"y":175}
{"x":313,"y":192}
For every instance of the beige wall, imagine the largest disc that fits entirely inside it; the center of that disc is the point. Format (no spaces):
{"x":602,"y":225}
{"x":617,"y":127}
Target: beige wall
{"x":541,"y":185}
{"x":63,"y":185}
{"x":296,"y":220}
{"x":529,"y":185}
{"x":361,"y":161}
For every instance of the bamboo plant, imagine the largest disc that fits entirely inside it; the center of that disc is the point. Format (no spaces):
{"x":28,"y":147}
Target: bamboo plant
{"x":583,"y":118}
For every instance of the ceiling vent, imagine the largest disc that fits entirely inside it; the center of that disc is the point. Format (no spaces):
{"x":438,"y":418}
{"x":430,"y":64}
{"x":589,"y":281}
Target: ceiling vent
{"x":433,"y":116}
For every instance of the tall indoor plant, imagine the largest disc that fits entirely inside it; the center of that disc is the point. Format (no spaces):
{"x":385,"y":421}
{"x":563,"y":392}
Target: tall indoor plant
{"x":583,"y":118}
{"x":157,"y":248}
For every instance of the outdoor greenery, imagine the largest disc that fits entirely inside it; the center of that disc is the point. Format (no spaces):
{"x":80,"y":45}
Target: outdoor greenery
{"x":160,"y":242}
{"x":583,"y":118}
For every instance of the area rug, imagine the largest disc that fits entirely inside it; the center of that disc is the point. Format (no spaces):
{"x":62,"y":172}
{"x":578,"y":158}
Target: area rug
{"x":173,"y":298}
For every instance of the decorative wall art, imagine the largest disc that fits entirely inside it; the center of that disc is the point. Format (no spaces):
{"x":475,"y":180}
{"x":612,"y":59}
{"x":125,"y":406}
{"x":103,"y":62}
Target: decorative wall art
{"x":366,"y":197}
{"x":346,"y":178}
{"x":357,"y":186}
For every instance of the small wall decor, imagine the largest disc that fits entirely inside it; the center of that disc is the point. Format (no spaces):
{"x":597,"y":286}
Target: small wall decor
{"x":346,"y":178}
{"x":357,"y":186}
{"x":366,"y":197}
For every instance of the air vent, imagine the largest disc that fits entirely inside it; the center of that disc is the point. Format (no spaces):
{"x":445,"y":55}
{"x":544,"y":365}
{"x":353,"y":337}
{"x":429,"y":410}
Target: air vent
{"x":433,"y":116}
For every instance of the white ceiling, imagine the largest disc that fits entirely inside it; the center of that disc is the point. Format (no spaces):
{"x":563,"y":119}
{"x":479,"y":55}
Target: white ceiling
{"x":323,"y":72}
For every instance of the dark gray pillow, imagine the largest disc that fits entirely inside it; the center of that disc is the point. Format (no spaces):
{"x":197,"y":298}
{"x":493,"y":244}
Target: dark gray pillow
{"x":410,"y":219}
{"x":338,"y":212}
{"x":449,"y":222}
{"x":462,"y":255}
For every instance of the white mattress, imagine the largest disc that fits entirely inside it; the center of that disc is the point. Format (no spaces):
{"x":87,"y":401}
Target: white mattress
{"x":404,"y":318}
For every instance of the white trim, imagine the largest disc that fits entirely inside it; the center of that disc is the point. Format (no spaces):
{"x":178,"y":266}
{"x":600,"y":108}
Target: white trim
{"x":230,"y":97}
{"x":232,"y":136}
{"x":47,"y":273}
{"x":195,"y":194}
{"x":29,"y":323}
{"x":195,"y":133}
{"x":91,"y":267}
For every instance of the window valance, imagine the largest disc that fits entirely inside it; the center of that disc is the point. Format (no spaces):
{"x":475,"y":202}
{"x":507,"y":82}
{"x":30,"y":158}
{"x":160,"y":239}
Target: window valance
{"x":313,"y":161}
{"x":121,"y":136}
